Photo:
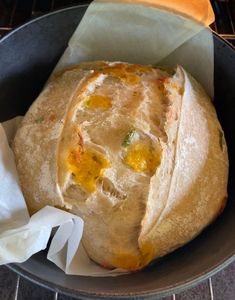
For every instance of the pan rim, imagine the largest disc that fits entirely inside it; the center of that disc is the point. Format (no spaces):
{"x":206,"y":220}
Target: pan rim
{"x":163,"y":292}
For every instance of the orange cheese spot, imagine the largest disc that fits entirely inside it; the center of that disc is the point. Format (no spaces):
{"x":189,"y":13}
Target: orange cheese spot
{"x":90,"y":167}
{"x":147,"y":251}
{"x":127,"y":261}
{"x":130,"y":78}
{"x":98,"y":101}
{"x":120,"y":71}
{"x":139,"y":69}
{"x":132,"y":262}
{"x":141,"y":157}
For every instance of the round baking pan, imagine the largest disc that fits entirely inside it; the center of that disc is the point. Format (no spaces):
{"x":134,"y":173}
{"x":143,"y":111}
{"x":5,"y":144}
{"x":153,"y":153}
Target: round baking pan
{"x":27,"y":57}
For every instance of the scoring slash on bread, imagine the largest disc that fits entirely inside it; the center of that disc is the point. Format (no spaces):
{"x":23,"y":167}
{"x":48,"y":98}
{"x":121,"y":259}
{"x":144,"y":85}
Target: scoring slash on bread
{"x":135,"y":151}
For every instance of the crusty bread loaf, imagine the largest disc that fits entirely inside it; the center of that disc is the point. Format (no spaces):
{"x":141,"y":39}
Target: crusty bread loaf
{"x":135,"y":151}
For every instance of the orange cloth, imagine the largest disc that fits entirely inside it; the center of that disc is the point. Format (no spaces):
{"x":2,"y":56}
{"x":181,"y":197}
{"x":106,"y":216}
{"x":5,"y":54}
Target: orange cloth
{"x":198,"y":10}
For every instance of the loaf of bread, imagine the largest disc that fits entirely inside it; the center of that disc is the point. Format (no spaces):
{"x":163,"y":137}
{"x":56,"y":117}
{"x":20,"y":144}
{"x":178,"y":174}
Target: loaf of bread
{"x":136,"y":151}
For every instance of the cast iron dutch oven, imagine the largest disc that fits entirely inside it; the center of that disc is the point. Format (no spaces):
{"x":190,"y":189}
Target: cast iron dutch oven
{"x":27,"y":57}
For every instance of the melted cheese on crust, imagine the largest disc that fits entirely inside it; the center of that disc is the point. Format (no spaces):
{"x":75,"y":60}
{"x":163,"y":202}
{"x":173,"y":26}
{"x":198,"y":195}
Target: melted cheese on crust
{"x":87,"y":167}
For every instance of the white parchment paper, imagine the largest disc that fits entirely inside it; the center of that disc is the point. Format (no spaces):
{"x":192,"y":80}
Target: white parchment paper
{"x":144,"y":34}
{"x":136,"y":33}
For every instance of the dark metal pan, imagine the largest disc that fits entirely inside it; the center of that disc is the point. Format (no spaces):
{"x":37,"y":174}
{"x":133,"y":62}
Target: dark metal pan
{"x":27,"y":56}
